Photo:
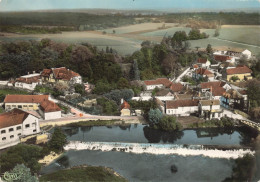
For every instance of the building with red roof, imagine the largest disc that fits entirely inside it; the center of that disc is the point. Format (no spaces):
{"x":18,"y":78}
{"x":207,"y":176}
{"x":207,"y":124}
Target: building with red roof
{"x":241,"y":73}
{"x":60,"y":75}
{"x":125,"y":109}
{"x":203,"y":62}
{"x":203,"y":73}
{"x":28,"y":81}
{"x":15,"y":124}
{"x":159,"y":83}
{"x":40,"y":103}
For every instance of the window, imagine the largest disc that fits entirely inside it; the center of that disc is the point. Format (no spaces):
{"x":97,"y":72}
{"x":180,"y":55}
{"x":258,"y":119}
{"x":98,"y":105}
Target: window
{"x":8,"y":107}
{"x":34,"y":130}
{"x":24,"y":105}
{"x":13,"y":105}
{"x":30,"y":105}
{"x":3,"y":131}
{"x":19,"y":134}
{"x":4,"y":138}
{"x":19,"y":106}
{"x":18,"y":127}
{"x":12,"y":136}
{"x":27,"y":126}
{"x":11,"y":129}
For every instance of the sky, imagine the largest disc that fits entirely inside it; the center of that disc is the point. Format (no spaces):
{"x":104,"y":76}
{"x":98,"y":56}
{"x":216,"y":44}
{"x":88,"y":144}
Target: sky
{"x":27,"y":5}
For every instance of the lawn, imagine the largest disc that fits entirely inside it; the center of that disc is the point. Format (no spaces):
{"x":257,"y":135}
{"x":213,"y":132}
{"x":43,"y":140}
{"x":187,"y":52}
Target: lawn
{"x":12,"y":91}
{"x":85,"y":173}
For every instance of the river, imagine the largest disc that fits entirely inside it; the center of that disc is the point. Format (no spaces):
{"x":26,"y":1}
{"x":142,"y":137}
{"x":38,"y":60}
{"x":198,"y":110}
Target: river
{"x":146,"y":166}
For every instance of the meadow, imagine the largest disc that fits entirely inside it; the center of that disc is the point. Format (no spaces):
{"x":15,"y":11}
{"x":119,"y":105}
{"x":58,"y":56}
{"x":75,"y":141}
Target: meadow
{"x":127,"y":39}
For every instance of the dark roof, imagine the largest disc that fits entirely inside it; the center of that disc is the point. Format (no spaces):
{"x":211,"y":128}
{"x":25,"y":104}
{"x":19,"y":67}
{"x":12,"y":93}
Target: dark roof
{"x":209,"y":102}
{"x":239,"y":70}
{"x":221,"y":58}
{"x":212,"y":84}
{"x":49,"y":106}
{"x":163,"y":92}
{"x":174,"y":104}
{"x":64,"y":73}
{"x":12,"y":118}
{"x":29,"y":80}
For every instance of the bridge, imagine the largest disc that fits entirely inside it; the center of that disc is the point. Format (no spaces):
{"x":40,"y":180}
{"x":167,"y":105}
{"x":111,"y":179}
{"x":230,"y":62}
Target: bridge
{"x":251,"y":124}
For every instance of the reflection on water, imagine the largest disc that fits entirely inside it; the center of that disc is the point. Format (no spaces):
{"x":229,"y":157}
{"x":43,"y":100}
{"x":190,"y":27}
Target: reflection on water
{"x":144,"y":134}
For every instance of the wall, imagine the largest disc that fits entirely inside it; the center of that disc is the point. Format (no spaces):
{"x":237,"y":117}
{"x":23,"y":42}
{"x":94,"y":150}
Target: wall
{"x":182,"y":111}
{"x":151,"y":87}
{"x":125,"y":112}
{"x":52,"y":115}
{"x":240,"y":76}
{"x":34,"y":126}
{"x":10,"y":141}
{"x":24,"y":106}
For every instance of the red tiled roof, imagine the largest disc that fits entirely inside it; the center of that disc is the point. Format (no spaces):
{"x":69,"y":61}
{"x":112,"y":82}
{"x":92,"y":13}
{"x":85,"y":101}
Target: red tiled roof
{"x":158,"y":81}
{"x":195,"y":66}
{"x":176,"y":87}
{"x":125,"y":105}
{"x":174,"y":104}
{"x":12,"y":118}
{"x":202,"y":60}
{"x":203,"y":71}
{"x":209,"y":102}
{"x":239,"y":70}
{"x":64,"y":73}
{"x":212,"y":84}
{"x":221,"y":58}
{"x":29,"y":80}
{"x":46,"y":72}
{"x":218,"y":91}
{"x":49,"y":106}
{"x":25,"y":98}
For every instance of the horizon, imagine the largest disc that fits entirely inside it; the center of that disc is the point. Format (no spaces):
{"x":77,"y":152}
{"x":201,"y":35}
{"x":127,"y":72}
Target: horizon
{"x":130,"y":5}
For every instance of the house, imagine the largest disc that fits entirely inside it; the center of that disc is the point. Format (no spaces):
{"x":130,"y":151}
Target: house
{"x":222,"y":58}
{"x":176,"y":87}
{"x":233,"y":99}
{"x":158,"y":83}
{"x":165,"y":92}
{"x":60,"y":75}
{"x":15,"y":124}
{"x":40,"y":103}
{"x":240,"y":73}
{"x":181,"y":107}
{"x":125,"y":109}
{"x":28,"y":81}
{"x":209,"y":109}
{"x":205,"y":86}
{"x":203,"y":62}
{"x":203,"y":73}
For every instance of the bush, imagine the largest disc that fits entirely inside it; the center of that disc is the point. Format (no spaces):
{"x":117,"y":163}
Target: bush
{"x":58,"y":140}
{"x":169,"y":123}
{"x":154,"y":116}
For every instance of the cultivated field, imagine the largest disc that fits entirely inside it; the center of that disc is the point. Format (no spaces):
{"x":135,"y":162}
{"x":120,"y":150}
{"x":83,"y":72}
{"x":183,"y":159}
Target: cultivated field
{"x":127,"y":39}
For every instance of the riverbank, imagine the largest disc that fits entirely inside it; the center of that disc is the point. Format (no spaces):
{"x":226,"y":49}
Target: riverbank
{"x":84,"y":173}
{"x":50,"y":158}
{"x":98,"y":123}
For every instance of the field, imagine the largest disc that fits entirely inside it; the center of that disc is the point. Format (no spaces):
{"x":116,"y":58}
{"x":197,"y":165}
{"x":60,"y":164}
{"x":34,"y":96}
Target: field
{"x":127,"y":39}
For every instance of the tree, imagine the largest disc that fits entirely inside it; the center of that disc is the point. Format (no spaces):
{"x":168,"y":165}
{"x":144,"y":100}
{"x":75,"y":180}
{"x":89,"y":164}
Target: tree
{"x":114,"y":31}
{"x":253,"y":92}
{"x":154,"y":116}
{"x":58,"y":140}
{"x":79,"y":88}
{"x":61,"y":87}
{"x":127,"y":94}
{"x":209,"y":49}
{"x":135,"y":73}
{"x":169,"y":63}
{"x":122,"y":83}
{"x":169,"y":123}
{"x":23,"y":173}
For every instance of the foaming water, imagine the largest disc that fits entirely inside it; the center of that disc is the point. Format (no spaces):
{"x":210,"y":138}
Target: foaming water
{"x":158,"y":149}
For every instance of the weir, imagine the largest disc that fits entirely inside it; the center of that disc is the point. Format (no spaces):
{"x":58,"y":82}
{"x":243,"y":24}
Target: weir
{"x":162,"y":149}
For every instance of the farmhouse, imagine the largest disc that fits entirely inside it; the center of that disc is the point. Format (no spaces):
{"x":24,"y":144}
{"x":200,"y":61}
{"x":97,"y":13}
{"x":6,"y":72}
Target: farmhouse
{"x":60,"y":75}
{"x":40,"y":103}
{"x":15,"y":124}
{"x":239,"y":73}
{"x":181,"y":107}
{"x":28,"y":81}
{"x":158,"y":83}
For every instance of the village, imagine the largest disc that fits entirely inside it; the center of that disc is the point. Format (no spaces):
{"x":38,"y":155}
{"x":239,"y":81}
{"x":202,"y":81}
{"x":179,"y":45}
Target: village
{"x":216,"y":96}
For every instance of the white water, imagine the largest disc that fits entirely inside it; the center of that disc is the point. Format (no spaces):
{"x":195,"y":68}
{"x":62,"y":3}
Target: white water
{"x":165,"y":149}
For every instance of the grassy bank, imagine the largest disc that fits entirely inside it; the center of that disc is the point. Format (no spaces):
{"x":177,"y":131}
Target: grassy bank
{"x":96,"y":123}
{"x":83,"y":173}
{"x":213,"y":123}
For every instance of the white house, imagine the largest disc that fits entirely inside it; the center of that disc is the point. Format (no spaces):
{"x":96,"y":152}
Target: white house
{"x":203,"y":62}
{"x":210,"y":109}
{"x":181,"y":107}
{"x":159,"y":83}
{"x":49,"y":110}
{"x":28,"y":81}
{"x":247,"y":53}
{"x":15,"y":124}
